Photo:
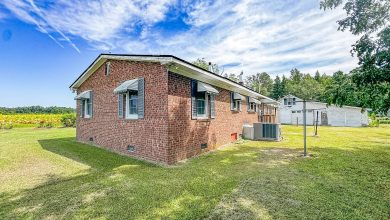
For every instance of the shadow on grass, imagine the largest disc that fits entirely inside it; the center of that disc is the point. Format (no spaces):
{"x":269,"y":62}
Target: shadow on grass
{"x":119,"y":187}
{"x":258,"y":182}
{"x":95,"y":157}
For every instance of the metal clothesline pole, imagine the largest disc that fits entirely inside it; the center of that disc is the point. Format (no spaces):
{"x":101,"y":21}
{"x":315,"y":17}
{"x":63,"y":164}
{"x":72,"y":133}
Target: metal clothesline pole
{"x":304,"y":128}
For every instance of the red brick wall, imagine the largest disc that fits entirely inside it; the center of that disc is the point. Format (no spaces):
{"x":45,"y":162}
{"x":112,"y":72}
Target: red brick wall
{"x":148,"y":135}
{"x":167,"y":134}
{"x":186,"y":135}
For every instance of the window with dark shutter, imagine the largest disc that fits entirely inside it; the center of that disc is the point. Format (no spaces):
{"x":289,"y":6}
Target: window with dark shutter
{"x":193,"y":100}
{"x":212,"y":106}
{"x":141,"y":98}
{"x":120,"y":105}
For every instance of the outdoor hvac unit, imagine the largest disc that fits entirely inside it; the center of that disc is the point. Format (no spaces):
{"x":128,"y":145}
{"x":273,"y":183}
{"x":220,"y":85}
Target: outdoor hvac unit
{"x":266,"y":131}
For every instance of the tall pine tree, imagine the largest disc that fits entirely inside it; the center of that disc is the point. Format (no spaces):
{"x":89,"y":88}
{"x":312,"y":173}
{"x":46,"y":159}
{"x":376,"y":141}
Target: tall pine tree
{"x":277,"y":90}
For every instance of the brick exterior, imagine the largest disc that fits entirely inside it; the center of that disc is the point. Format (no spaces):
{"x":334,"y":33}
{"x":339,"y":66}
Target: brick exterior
{"x":186,"y":135}
{"x":167,"y":133}
{"x":148,"y":135}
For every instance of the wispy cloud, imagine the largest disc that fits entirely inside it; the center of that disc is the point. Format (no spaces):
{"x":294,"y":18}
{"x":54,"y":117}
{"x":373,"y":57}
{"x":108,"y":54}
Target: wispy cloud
{"x":272,"y":36}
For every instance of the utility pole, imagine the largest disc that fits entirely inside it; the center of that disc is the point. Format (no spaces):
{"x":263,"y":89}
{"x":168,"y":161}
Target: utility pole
{"x":304,"y":127}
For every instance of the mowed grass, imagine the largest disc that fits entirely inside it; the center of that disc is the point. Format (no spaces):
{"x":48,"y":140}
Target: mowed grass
{"x":45,"y":173}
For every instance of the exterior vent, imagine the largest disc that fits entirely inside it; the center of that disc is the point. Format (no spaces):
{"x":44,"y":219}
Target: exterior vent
{"x":91,"y":139}
{"x":203,"y":146}
{"x":130,"y":148}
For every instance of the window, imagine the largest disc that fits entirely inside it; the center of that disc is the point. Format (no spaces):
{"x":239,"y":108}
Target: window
{"x":131,"y":99}
{"x":87,"y":108}
{"x":235,"y":101}
{"x":252,"y":106}
{"x":293,"y":111}
{"x":202,"y":100}
{"x":132,"y":104}
{"x":289,"y":101}
{"x":236,"y":105}
{"x":201,"y":104}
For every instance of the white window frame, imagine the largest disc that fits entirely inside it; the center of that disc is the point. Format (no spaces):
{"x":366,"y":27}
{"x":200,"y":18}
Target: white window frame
{"x":86,"y":113}
{"x":252,"y":107}
{"x":206,"y":109}
{"x":237,"y":102}
{"x":127,"y":108}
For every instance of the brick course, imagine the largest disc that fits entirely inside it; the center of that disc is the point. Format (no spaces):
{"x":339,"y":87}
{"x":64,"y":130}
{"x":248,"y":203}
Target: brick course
{"x":167,"y":134}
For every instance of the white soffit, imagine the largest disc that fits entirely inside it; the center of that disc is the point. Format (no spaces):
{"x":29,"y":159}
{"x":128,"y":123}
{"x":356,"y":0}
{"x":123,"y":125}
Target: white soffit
{"x":177,"y":66}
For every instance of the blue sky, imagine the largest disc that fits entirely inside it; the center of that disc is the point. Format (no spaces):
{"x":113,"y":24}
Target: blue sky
{"x":45,"y":45}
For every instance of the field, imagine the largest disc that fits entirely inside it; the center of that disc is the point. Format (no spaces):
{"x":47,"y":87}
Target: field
{"x":30,"y":120}
{"x":46,"y":174}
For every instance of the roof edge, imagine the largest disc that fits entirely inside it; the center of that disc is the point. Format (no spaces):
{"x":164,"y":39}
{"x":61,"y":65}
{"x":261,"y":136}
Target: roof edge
{"x":161,"y":56}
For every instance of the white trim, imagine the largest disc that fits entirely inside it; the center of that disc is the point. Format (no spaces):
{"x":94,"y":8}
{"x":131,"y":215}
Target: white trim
{"x":86,"y":115}
{"x":176,"y":66}
{"x":127,"y":102}
{"x":206,"y":109}
{"x":238,"y":104}
{"x":250,"y":105}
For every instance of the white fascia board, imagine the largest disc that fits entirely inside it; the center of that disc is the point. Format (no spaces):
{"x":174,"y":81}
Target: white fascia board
{"x":102,"y":58}
{"x":174,"y":65}
{"x":192,"y":72}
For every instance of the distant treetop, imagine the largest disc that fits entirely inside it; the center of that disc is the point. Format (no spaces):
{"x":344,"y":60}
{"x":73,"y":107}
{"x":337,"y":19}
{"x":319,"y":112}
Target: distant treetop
{"x":36,"y":110}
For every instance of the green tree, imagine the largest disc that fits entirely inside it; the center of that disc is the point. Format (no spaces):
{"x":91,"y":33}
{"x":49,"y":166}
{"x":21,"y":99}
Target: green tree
{"x":277,"y":90}
{"x":260,"y":82}
{"x":202,"y":63}
{"x":369,"y":19}
{"x":317,"y":76}
{"x":342,"y":91}
{"x":232,"y":76}
{"x":284,"y":86}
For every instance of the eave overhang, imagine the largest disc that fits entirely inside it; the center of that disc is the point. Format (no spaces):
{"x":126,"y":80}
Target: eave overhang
{"x":175,"y":65}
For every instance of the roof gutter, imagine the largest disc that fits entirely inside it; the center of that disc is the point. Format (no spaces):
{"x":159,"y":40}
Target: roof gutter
{"x":164,"y":60}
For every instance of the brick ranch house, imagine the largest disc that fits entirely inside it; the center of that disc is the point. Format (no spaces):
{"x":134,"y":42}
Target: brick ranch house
{"x":161,"y":108}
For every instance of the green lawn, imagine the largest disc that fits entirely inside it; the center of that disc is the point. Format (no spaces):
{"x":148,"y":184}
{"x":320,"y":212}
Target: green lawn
{"x":45,"y":173}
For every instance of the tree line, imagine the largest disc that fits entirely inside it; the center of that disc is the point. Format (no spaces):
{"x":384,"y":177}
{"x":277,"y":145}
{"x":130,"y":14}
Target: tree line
{"x":36,"y":110}
{"x":332,"y":89}
{"x":366,"y":86}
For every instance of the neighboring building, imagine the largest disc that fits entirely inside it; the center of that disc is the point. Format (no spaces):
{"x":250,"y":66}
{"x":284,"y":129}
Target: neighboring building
{"x":290,"y":110}
{"x":161,"y":108}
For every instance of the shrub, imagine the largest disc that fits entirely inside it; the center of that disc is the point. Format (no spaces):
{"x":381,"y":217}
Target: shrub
{"x":41,"y":124}
{"x":374,"y":123}
{"x":6,"y":125}
{"x":49,"y":124}
{"x":384,"y":121}
{"x":68,"y":120}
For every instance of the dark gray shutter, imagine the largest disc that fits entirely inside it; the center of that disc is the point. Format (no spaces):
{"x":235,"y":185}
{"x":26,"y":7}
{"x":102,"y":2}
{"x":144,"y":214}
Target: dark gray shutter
{"x":247,"y":104}
{"x":120,"y":105}
{"x":212,"y":106}
{"x":141,"y":98}
{"x":231,"y":101}
{"x":82,"y":108}
{"x":91,"y":100}
{"x":193,"y":100}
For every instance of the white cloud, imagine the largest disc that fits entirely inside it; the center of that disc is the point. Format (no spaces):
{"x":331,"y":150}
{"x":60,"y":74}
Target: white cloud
{"x":272,"y":36}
